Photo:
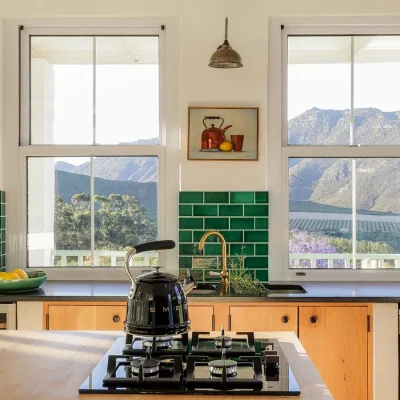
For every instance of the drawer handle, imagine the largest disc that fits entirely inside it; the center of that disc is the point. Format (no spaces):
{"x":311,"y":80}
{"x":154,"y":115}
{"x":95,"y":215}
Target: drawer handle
{"x":285,"y":319}
{"x":313,"y":319}
{"x":116,"y":318}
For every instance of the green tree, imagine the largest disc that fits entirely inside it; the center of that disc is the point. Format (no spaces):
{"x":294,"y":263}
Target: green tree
{"x":119,"y":223}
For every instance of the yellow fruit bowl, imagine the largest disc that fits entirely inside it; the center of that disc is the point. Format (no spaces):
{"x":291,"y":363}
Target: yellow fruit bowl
{"x":10,"y":283}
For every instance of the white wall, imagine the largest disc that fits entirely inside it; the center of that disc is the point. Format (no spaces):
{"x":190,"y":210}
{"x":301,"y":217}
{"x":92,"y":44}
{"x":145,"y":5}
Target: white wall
{"x":202,"y":23}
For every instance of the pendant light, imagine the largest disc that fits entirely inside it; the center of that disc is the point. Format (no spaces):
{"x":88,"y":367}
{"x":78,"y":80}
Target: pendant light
{"x":225,"y":56}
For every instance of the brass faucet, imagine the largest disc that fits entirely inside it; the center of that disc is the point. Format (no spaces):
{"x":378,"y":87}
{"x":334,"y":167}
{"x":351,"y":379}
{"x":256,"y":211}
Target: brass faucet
{"x":224,"y":272}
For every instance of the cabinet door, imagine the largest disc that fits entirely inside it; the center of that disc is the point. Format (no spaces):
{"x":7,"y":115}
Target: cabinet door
{"x":107,"y":318}
{"x":335,"y":338}
{"x":268,"y":318}
{"x":201,"y":318}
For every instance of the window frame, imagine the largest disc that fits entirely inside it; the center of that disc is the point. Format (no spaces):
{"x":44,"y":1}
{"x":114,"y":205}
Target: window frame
{"x":279,"y":152}
{"x":16,"y":147}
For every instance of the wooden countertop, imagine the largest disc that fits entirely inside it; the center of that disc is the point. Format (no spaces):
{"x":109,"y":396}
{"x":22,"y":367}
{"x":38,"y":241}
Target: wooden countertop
{"x":41,"y":365}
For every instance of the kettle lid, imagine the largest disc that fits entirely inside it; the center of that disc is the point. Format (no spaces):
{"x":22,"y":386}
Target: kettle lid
{"x":156,"y":277}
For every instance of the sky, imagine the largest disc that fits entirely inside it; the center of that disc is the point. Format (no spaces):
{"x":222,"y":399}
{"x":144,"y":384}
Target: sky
{"x":127,"y":103}
{"x":328,"y":86}
{"x":127,"y":97}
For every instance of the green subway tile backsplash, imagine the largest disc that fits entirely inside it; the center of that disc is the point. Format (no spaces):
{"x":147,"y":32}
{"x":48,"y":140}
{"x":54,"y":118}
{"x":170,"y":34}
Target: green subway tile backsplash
{"x":212,"y":249}
{"x":256,"y":262}
{"x":256,"y":211}
{"x":185,"y":236}
{"x":185,"y":262}
{"x":261,"y":249}
{"x":231,"y":211}
{"x":190,"y":223}
{"x":190,"y":197}
{"x":242,"y":223}
{"x":232,"y":236}
{"x":242,"y":197}
{"x":216,"y":223}
{"x":261,"y":197}
{"x":241,"y":217}
{"x":205,"y":210}
{"x":247,"y":249}
{"x":262,"y":275}
{"x":216,"y":197}
{"x":261,"y":223}
{"x":256,"y":236}
{"x":185,"y":210}
{"x":198,"y":234}
{"x":188,"y":249}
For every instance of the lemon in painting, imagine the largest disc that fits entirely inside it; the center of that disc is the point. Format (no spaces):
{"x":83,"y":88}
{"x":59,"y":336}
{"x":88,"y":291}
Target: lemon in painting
{"x":6,"y":276}
{"x":226,"y":146}
{"x":21,"y":273}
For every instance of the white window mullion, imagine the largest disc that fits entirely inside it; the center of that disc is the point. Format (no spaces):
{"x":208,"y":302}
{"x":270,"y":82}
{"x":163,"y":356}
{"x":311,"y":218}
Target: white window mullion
{"x":92,"y":228}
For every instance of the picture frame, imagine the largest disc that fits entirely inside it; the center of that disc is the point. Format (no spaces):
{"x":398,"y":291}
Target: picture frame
{"x":223,"y":133}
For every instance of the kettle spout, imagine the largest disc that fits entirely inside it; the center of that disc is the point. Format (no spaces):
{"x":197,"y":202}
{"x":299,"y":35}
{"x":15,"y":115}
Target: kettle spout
{"x":225,"y":129}
{"x":189,"y":283}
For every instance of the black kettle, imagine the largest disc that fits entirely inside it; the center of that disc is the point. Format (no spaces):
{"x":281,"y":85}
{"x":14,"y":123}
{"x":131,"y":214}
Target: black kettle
{"x":157,"y":304}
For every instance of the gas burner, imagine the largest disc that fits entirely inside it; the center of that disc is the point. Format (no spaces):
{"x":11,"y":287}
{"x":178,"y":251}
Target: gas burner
{"x":150,"y":367}
{"x":164,"y":345}
{"x":145,"y":367}
{"x":217,"y":368}
{"x":163,"y":342}
{"x":223,"y":341}
{"x":235,"y":347}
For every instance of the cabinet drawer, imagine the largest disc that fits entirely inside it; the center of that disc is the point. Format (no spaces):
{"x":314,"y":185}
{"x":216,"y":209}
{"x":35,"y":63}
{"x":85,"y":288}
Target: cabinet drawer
{"x":202,"y":318}
{"x":268,"y":318}
{"x":86,"y":317}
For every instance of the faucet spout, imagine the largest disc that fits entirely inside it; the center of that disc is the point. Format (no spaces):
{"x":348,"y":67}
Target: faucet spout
{"x":224,"y":272}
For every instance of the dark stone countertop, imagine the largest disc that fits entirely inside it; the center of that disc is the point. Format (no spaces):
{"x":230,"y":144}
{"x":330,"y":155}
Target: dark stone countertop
{"x":374,"y":292}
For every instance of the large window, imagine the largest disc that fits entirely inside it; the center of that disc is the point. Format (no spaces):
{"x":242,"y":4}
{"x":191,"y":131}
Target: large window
{"x":339,"y":149}
{"x":93,"y":146}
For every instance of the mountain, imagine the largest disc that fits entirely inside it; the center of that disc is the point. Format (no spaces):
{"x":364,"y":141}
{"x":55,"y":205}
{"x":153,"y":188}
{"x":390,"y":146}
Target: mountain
{"x":137,"y":169}
{"x":327,"y":180}
{"x":67,"y":184}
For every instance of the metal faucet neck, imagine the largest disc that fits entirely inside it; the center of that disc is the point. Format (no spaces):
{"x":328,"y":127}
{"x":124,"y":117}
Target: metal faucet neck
{"x":224,"y":272}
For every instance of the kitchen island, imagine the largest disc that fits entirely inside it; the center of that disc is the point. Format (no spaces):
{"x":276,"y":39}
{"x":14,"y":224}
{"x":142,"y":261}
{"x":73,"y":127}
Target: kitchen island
{"x":39,"y":365}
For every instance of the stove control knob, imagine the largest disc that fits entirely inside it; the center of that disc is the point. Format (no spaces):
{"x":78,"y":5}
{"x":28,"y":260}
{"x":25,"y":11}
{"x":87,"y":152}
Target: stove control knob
{"x":271,"y":360}
{"x":116,"y":318}
{"x":271,"y":365}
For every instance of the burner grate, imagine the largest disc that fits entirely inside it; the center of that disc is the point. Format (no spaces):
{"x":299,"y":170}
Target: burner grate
{"x":120,"y":374}
{"x":224,"y":382}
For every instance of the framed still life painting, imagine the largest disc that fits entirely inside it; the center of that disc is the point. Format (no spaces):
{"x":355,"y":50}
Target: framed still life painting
{"x":223,"y":133}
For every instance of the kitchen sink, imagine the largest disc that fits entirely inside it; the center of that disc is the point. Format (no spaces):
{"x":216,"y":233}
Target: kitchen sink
{"x":207,"y":288}
{"x":204,"y":288}
{"x":285,"y":289}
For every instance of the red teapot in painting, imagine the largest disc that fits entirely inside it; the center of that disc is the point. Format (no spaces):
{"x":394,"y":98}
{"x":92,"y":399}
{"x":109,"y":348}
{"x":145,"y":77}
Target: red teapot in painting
{"x":212,"y":137}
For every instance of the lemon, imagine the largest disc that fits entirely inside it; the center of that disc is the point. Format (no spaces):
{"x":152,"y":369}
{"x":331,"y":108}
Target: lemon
{"x":21,"y":273}
{"x":7,"y":276}
{"x":226,"y":146}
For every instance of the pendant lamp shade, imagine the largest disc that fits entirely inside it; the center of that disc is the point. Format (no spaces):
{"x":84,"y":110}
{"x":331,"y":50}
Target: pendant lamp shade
{"x":225,"y":56}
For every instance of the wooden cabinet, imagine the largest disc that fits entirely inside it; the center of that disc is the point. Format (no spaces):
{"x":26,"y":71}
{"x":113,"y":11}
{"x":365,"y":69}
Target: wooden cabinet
{"x":108,"y":316}
{"x":86,"y":317}
{"x":263,"y":318}
{"x":201,"y":317}
{"x":336,"y":340}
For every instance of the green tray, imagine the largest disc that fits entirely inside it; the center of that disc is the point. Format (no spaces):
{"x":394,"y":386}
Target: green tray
{"x":36,"y":279}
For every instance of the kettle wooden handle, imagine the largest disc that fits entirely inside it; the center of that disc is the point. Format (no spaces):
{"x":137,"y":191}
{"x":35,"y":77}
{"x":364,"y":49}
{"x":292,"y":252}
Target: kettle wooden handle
{"x":157,"y":245}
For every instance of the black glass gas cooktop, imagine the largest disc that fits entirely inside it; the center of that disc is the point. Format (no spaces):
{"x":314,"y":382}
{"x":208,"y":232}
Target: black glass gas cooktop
{"x":221,"y":368}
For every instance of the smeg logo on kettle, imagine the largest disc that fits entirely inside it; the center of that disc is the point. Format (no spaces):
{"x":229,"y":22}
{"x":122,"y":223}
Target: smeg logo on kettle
{"x":165,"y":309}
